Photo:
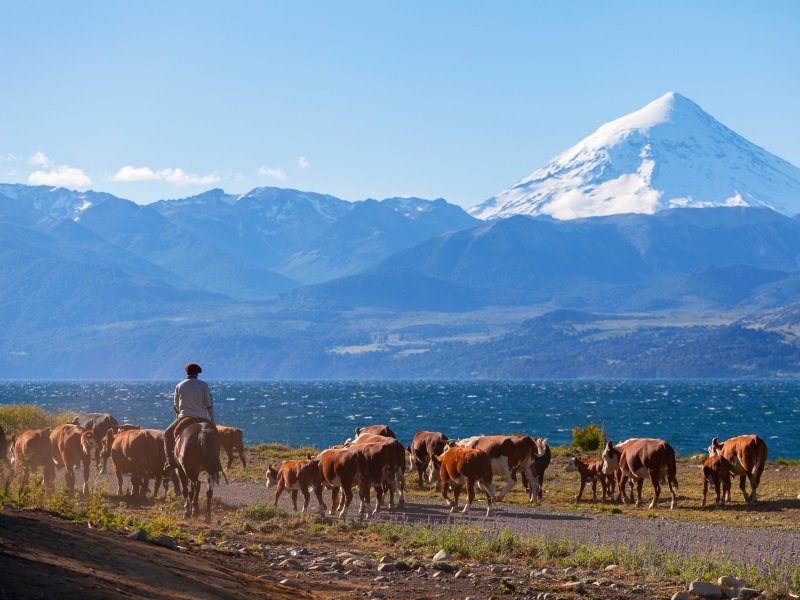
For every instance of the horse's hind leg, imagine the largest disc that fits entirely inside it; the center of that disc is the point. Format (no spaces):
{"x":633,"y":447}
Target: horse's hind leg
{"x":209,"y":496}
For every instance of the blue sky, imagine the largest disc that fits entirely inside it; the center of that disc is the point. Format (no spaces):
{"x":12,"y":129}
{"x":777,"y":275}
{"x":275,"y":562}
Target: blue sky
{"x":375,"y":99}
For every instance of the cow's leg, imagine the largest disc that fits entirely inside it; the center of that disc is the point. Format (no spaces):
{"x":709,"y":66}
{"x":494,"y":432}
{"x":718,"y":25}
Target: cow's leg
{"x":705,"y":492}
{"x":655,"y":479}
{"x":347,"y":498}
{"x":505,"y":471}
{"x":639,"y":484}
{"x":622,"y":480}
{"x":50,"y":475}
{"x":294,"y":500}
{"x":278,"y":491}
{"x":742,"y":479}
{"x":456,"y":494}
{"x":726,"y":488}
{"x":209,"y":496}
{"x":532,"y":482}
{"x":118,"y":473}
{"x":197,"y":496}
{"x":470,"y":495}
{"x":334,"y":500}
{"x":86,"y":459}
{"x":242,"y":457}
{"x":720,"y":501}
{"x":443,"y":485}
{"x":320,"y":501}
{"x":420,"y":470}
{"x":378,"y":499}
{"x":184,"y":492}
{"x":603,"y":486}
{"x":594,"y":489}
{"x":69,"y":474}
{"x":580,"y":491}
{"x":229,"y":452}
{"x":306,"y":497}
{"x":400,"y":482}
{"x":488,"y":489}
{"x":753,"y":486}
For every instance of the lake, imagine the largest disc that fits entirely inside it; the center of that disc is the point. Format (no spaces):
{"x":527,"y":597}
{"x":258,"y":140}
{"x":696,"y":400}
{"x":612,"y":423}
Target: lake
{"x":685,"y":413}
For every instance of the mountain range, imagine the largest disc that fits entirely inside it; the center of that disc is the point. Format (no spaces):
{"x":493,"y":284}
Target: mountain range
{"x":663,"y":245}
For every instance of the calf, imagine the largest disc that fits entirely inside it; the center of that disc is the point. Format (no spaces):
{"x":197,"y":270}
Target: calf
{"x":342,"y":469}
{"x":716,"y":470}
{"x":591,"y":471}
{"x":383,"y":430}
{"x":511,"y":453}
{"x":465,"y":467}
{"x":640,"y":458}
{"x":747,"y":455}
{"x":139,"y":452}
{"x":73,"y":446}
{"x":425,"y":445}
{"x":32,"y":449}
{"x":99,"y":424}
{"x":297,"y":475}
{"x":230,"y":439}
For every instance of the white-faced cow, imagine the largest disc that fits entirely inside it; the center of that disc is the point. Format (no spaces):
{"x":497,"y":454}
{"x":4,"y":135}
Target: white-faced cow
{"x":341,"y":469}
{"x":747,"y":455}
{"x":509,"y":454}
{"x":639,"y":459}
{"x":461,"y":468}
{"x":425,"y":445}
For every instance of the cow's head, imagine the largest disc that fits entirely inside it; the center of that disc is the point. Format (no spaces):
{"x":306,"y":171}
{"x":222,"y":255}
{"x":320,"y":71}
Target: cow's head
{"x":128,"y":427}
{"x":272,"y":475}
{"x":76,"y":420}
{"x":572,"y":465}
{"x":541,"y":446}
{"x":432,"y":472}
{"x":715,"y":448}
{"x":106,"y":442}
{"x":610,"y":458}
{"x":88,"y":445}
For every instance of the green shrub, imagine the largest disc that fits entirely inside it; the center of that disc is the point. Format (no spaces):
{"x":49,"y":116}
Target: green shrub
{"x":589,"y":438}
{"x":16,"y":418}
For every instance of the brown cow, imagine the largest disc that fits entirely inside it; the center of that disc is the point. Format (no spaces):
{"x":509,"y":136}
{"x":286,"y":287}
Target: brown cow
{"x":386,"y":465}
{"x":716,"y":470}
{"x":460,"y":467}
{"x":140,"y":453}
{"x":5,"y":449}
{"x":509,"y":454}
{"x":99,"y":424}
{"x":230,"y":438}
{"x":32,"y":449}
{"x":72,"y":446}
{"x":197,"y":450}
{"x":591,"y":471}
{"x":297,"y":475}
{"x":383,"y":430}
{"x":425,"y":445}
{"x":639,"y":458}
{"x":747,"y":455}
{"x":342,"y":469}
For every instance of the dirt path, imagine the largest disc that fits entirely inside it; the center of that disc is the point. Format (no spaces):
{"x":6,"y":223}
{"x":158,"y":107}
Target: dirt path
{"x":45,"y":557}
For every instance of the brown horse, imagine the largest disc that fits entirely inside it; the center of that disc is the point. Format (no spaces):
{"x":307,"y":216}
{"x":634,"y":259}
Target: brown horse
{"x":197,"y":450}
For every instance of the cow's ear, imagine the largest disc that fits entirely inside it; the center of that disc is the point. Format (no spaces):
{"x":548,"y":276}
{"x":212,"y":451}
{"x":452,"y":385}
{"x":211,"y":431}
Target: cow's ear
{"x":610,"y":445}
{"x":308,"y":455}
{"x":715,"y":441}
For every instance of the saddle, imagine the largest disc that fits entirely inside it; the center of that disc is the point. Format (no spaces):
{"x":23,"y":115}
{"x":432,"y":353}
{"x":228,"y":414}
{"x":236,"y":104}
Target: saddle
{"x":185,"y":422}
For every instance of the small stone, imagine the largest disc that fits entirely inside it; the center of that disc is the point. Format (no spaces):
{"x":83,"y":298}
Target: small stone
{"x":380,"y":578}
{"x":290,"y":583}
{"x":290,"y":563}
{"x":680,"y":596}
{"x":207,"y":546}
{"x":404,"y":566}
{"x":345,"y":555}
{"x":569,"y":570}
{"x":704,"y":589}
{"x":460,"y":574}
{"x":611,"y":567}
{"x":443,"y":566}
{"x":316,"y":568}
{"x":376,"y":594}
{"x":336,"y":566}
{"x":267,"y":577}
{"x":298,"y":552}
{"x":496,"y":569}
{"x":385,"y":559}
{"x":549,"y":571}
{"x":387,"y":567}
{"x":437,"y":574}
{"x":731,"y":582}
{"x":574,"y":586}
{"x":139,"y":535}
{"x":746,"y":593}
{"x":166,"y":541}
{"x":470,"y":598}
{"x":335,"y":574}
{"x":442,"y":555}
{"x":420,"y":569}
{"x":361,"y":564}
{"x":638,"y":590}
{"x":347,"y":560}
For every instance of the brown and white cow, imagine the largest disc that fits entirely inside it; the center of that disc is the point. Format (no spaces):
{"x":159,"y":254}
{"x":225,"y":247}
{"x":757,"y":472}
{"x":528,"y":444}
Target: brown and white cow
{"x":386,"y":460}
{"x":297,"y":476}
{"x":425,"y":445}
{"x":465,"y":467}
{"x":747,"y":455}
{"x":73,"y":446}
{"x":383,"y":430}
{"x":716,"y":471}
{"x":32,"y":449}
{"x":230,"y":439}
{"x":591,"y":471}
{"x":637,"y":459}
{"x":341,"y":469}
{"x":140,"y":453}
{"x":510,"y":454}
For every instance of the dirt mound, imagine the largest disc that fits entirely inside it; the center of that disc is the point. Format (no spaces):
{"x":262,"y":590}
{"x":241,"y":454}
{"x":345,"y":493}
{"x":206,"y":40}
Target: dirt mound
{"x":41,"y":556}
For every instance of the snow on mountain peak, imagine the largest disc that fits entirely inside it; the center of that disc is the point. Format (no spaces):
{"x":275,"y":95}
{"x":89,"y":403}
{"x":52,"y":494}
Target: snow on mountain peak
{"x":667,"y":154}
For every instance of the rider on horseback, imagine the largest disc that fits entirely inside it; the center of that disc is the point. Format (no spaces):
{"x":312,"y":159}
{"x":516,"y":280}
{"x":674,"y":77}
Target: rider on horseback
{"x":192,"y":400}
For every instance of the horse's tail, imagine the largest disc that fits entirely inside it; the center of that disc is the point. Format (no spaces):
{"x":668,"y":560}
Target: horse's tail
{"x":208,"y":439}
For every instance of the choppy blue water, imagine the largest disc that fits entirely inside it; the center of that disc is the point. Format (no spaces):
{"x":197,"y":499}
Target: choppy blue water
{"x":685,"y":413}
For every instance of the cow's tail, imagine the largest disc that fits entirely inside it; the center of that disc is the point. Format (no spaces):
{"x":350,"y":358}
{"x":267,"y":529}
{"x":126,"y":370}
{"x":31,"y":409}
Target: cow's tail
{"x":672,"y":469}
{"x":761,"y":461}
{"x":208,"y":439}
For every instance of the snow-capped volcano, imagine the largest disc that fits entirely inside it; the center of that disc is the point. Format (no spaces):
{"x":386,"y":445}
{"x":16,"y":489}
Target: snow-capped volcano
{"x":668,"y":154}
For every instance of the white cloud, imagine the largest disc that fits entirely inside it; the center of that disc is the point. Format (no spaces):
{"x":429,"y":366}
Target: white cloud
{"x":303,"y":163}
{"x":275,"y":173}
{"x":39,"y":159}
{"x":131,"y":174}
{"x":61,"y":176}
{"x":9,"y":157}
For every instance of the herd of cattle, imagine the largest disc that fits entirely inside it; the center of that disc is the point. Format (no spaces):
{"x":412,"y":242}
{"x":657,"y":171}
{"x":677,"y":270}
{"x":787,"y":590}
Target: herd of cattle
{"x":373,"y":460}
